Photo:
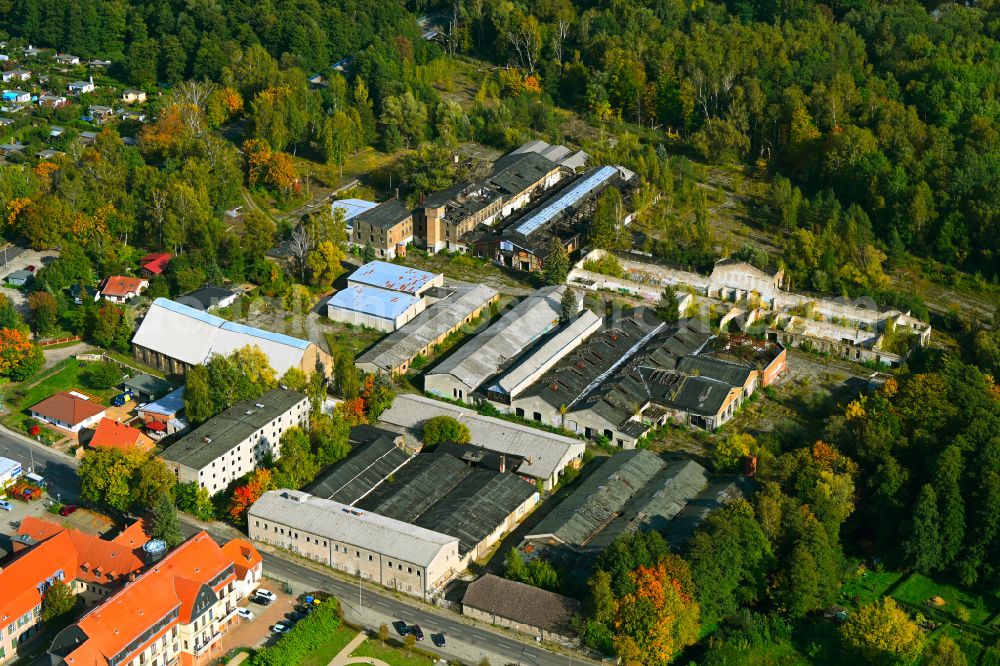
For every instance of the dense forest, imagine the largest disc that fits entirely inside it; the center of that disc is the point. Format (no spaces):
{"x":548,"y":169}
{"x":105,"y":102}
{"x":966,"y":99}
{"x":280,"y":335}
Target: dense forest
{"x":891,"y":106}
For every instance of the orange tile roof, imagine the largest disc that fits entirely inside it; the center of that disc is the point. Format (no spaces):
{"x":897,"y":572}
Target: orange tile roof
{"x":135,"y":535}
{"x":243,"y":555}
{"x":121,"y":286}
{"x":155,"y":262}
{"x":111,"y":434}
{"x":20,"y":579}
{"x":95,"y":559}
{"x":113,"y":625}
{"x":67,"y":408}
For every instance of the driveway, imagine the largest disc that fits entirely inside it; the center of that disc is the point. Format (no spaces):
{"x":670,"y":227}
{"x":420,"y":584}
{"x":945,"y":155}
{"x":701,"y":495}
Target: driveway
{"x":256,"y":633}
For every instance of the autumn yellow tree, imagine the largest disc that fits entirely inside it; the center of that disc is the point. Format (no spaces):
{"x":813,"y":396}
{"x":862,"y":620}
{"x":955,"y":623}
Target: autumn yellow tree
{"x":658,"y":620}
{"x":882,"y":633}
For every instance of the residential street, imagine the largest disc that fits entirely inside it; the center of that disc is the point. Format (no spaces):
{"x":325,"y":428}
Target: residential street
{"x":467,"y":642}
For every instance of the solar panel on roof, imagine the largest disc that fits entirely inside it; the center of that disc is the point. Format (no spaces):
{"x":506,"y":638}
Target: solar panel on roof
{"x":573,"y":195}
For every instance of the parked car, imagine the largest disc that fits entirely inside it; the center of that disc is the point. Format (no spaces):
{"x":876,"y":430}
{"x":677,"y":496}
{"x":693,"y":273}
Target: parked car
{"x":260,"y":601}
{"x":120,"y":399}
{"x":438,"y":639}
{"x":401,"y":628}
{"x":267,"y":594}
{"x":245,"y":613}
{"x":281,"y":628}
{"x":30,"y":268}
{"x":417,"y":632}
{"x":6,"y":506}
{"x":295,"y":616}
{"x":68,"y":509}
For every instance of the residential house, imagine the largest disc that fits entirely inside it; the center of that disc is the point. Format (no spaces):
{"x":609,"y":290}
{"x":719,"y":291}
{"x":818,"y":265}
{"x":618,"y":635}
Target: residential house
{"x":175,"y":612}
{"x":6,"y":122}
{"x":237,"y":441}
{"x":524,"y":608}
{"x":99,"y":64}
{"x":19,"y":277}
{"x":382,"y":295}
{"x":248,"y":563}
{"x":48,"y":154}
{"x":88,"y":138}
{"x":33,"y":52}
{"x":122,"y":289}
{"x":154,"y":263}
{"x":133,"y":96}
{"x":209,"y":298}
{"x":173,"y":337}
{"x":69,"y":411}
{"x":111,"y":434}
{"x":18,"y":75}
{"x":67,"y":59}
{"x":9,"y":149}
{"x":80,"y":292}
{"x":386,"y":228}
{"x":81,"y":87}
{"x":100,"y":114}
{"x":52,"y":101}
{"x":163,"y":417}
{"x":16,"y":96}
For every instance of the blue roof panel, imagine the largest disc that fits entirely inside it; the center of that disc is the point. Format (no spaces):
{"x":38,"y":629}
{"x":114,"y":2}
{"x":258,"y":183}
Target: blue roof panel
{"x":575,"y":193}
{"x":392,"y":277}
{"x":372,"y":301}
{"x":352,"y":207}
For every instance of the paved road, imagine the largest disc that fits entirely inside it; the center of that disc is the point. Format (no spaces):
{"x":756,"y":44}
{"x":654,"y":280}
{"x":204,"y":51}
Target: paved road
{"x":59,"y":469}
{"x":466,"y":642}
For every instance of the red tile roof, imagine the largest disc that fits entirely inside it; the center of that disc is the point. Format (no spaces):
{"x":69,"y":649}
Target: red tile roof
{"x":243,"y":555}
{"x":170,"y":584}
{"x":67,"y":408}
{"x":155,"y":262}
{"x":121,"y":286}
{"x":20,"y":579}
{"x":134,"y":536}
{"x":111,"y":434}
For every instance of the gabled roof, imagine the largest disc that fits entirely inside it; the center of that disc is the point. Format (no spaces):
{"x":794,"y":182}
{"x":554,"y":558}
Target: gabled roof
{"x":110,"y":628}
{"x":155,"y":262}
{"x":67,"y":408}
{"x":244,"y":556}
{"x":380,"y":303}
{"x":522,"y":603}
{"x":192,"y":336}
{"x":207,"y":297}
{"x":111,"y":434}
{"x":149,"y":384}
{"x":121,"y":286}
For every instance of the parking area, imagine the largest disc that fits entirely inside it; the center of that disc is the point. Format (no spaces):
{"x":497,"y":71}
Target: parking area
{"x":13,"y":258}
{"x":256,"y":633}
{"x":81,"y":519}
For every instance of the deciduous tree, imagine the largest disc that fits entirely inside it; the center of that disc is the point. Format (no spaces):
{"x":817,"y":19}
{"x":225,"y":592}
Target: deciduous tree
{"x":882,"y":633}
{"x":439,"y":429}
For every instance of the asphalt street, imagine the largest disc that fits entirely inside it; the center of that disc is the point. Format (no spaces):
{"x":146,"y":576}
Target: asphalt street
{"x":465,"y":641}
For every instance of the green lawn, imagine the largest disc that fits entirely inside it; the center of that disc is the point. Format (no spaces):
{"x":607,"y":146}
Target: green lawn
{"x":865,"y":588}
{"x":918,"y":589}
{"x":394,"y":656}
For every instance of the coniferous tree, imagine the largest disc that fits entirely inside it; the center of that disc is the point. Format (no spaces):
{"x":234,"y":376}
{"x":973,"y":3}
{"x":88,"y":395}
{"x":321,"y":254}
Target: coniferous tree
{"x":165,"y":525}
{"x":923,"y":546}
{"x":951,"y":504}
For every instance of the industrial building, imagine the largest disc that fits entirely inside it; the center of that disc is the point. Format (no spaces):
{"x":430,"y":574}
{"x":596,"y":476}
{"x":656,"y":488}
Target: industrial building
{"x":235,"y":442}
{"x":631,"y":490}
{"x":383,"y":296}
{"x":459,"y":375}
{"x":472,"y":502}
{"x":636,"y":373}
{"x":456,"y":306}
{"x":389,"y":552}
{"x":536,"y":455}
{"x":173,"y":337}
{"x":387,"y":228}
{"x":524,"y":608}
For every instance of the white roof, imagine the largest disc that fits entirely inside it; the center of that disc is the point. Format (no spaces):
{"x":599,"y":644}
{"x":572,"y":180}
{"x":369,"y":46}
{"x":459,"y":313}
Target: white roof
{"x":339,"y":522}
{"x":8,"y":466}
{"x":392,"y":277}
{"x":192,"y":336}
{"x":351,"y":207}
{"x":544,"y":453}
{"x":483,"y":356}
{"x":544,"y":357}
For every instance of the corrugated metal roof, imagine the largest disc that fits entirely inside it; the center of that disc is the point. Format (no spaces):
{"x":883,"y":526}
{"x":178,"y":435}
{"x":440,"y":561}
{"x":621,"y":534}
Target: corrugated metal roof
{"x":438,"y":319}
{"x":351,"y":207}
{"x":333,"y":520}
{"x":393,"y":277}
{"x":371,"y":301}
{"x":544,"y":453}
{"x":483,"y":356}
{"x":569,"y":197}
